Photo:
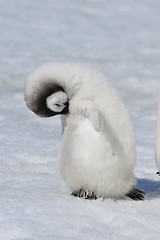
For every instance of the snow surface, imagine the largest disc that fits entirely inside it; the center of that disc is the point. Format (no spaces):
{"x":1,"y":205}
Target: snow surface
{"x":118,"y":38}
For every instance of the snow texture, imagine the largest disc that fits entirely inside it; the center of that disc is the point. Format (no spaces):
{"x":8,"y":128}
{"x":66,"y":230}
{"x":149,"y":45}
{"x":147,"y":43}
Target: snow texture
{"x":119,"y":39}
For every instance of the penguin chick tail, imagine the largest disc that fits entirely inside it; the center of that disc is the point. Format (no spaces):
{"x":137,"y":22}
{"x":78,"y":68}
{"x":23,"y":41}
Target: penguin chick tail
{"x":136,"y":194}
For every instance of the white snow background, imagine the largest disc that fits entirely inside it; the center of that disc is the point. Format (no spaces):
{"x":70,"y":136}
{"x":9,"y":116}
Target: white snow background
{"x":121,"y":39}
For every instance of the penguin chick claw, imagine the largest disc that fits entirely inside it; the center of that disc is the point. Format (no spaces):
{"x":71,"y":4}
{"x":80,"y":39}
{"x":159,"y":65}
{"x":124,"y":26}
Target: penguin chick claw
{"x":86,"y":194}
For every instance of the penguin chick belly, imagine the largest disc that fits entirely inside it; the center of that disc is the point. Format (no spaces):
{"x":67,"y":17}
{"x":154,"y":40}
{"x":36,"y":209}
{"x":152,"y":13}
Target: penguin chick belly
{"x":87,"y":161}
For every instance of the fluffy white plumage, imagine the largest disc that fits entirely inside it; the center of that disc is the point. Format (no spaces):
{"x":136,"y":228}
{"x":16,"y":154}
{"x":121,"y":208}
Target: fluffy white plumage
{"x":97,"y":149}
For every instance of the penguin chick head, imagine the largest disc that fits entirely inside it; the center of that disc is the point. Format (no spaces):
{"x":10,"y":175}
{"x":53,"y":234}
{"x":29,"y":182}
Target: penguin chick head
{"x":58,"y":102}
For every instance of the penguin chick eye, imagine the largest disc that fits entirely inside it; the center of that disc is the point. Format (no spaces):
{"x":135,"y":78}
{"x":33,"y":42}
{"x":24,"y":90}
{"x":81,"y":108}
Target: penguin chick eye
{"x":58,"y":105}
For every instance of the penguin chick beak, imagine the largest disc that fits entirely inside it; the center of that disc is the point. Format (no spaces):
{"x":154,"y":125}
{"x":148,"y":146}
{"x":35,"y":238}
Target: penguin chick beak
{"x":66,"y":109}
{"x":66,"y":104}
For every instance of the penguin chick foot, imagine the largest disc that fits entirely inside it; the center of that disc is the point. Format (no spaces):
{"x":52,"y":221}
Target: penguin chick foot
{"x":136,"y":194}
{"x":86,"y":194}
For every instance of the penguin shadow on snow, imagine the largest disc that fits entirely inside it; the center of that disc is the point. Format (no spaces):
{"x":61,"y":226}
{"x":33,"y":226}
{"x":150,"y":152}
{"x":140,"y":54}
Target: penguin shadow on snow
{"x":150,"y":187}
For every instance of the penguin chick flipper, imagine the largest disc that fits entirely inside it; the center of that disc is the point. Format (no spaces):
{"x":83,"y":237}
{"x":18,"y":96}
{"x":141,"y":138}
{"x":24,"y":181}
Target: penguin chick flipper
{"x":136,"y":194}
{"x":86,"y":194}
{"x":96,"y":119}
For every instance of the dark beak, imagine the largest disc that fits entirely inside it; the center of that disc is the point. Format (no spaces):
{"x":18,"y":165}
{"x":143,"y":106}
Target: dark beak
{"x":66,"y":104}
{"x":66,"y":109}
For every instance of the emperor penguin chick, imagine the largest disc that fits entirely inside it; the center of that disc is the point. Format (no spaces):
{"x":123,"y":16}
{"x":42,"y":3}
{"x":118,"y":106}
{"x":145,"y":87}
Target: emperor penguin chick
{"x":97,"y":149}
